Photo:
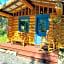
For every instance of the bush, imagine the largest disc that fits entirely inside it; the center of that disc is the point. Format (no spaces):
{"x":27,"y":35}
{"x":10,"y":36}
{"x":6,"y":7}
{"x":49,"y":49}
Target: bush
{"x":3,"y":39}
{"x":2,"y":32}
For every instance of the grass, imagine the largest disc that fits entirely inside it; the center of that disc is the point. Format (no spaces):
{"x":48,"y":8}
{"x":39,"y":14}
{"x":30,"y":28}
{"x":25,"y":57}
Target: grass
{"x":3,"y":39}
{"x":3,"y":36}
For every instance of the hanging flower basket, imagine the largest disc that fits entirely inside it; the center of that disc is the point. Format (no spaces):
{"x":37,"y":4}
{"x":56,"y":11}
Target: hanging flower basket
{"x":55,"y":19}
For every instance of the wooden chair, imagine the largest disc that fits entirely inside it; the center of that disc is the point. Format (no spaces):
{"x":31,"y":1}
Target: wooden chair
{"x":48,"y":44}
{"x":20,"y":37}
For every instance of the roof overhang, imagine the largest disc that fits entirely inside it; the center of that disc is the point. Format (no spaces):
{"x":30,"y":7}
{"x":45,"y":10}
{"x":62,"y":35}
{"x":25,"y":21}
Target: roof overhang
{"x":4,"y":14}
{"x":18,"y":4}
{"x":25,"y":2}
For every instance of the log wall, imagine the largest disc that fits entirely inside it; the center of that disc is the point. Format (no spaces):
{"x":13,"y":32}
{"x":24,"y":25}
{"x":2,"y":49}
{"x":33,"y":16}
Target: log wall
{"x":10,"y":24}
{"x":13,"y":23}
{"x":32,"y":29}
{"x":52,"y":34}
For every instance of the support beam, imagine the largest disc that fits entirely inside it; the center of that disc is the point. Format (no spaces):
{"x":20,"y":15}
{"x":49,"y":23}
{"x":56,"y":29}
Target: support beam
{"x":4,"y":14}
{"x":27,"y":4}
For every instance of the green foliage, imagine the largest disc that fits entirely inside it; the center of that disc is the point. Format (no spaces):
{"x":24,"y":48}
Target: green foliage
{"x":55,"y":19}
{"x":3,"y":36}
{"x":3,"y":22}
{"x":3,"y":39}
{"x":2,"y":32}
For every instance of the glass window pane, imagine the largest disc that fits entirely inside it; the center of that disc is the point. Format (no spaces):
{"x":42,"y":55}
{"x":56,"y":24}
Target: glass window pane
{"x":37,"y":9}
{"x":41,"y":10}
{"x":24,"y":25}
{"x":54,"y":10}
{"x":42,"y":26}
{"x":50,"y":10}
{"x":45,"y":10}
{"x":23,"y":11}
{"x":26,"y":11}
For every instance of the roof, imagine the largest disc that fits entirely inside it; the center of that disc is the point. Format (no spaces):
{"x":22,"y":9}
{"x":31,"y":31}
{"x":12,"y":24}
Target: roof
{"x":13,"y":5}
{"x":4,"y":3}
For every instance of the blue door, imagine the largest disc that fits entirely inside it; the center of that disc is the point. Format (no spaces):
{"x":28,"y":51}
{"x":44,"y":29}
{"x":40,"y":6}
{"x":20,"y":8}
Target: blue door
{"x":42,"y":25}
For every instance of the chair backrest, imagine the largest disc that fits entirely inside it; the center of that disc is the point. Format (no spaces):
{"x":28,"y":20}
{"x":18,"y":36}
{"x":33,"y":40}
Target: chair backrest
{"x":21,"y":35}
{"x":44,"y":39}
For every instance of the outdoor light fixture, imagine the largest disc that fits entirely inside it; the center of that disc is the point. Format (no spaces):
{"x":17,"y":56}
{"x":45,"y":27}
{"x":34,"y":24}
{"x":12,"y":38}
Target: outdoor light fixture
{"x":58,"y":5}
{"x":41,"y":12}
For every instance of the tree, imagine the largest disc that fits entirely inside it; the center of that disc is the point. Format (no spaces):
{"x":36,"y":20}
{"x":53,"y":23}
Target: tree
{"x":1,"y":22}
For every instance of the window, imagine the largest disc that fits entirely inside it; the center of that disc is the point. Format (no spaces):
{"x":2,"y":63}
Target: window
{"x":50,"y":10}
{"x":26,"y":11}
{"x":17,"y":13}
{"x":24,"y":24}
{"x":45,"y":10}
{"x":20,"y":13}
{"x":41,"y":10}
{"x":29,"y":11}
{"x":54,"y":10}
{"x":23,"y":11}
{"x":42,"y":26}
{"x":37,"y":9}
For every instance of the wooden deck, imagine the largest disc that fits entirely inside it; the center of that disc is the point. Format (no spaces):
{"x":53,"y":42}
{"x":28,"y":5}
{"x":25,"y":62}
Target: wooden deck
{"x":32,"y":52}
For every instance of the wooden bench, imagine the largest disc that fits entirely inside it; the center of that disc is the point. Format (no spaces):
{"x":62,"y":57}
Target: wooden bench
{"x":20,"y":37}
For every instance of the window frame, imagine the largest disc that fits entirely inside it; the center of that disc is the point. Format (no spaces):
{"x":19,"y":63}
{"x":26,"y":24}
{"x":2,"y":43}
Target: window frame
{"x":22,"y":18}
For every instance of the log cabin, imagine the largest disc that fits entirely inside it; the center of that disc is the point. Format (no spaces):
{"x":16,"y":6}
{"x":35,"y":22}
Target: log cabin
{"x":37,"y":20}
